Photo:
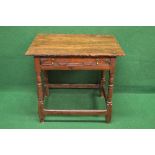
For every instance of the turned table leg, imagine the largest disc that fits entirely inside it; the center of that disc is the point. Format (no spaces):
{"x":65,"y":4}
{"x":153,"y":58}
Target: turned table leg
{"x":39,"y":89}
{"x":46,"y":83}
{"x":102,"y":84}
{"x":110,"y":91}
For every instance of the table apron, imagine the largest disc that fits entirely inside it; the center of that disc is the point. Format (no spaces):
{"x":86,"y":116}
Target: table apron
{"x":75,"y":67}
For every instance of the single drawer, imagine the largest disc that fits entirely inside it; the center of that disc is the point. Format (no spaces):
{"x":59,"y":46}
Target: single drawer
{"x":50,"y":61}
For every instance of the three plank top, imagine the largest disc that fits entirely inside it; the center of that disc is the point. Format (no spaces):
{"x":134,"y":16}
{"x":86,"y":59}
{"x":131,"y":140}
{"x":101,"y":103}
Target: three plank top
{"x":74,"y":45}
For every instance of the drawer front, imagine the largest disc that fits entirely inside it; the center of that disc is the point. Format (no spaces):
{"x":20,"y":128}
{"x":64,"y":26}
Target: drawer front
{"x":75,"y":62}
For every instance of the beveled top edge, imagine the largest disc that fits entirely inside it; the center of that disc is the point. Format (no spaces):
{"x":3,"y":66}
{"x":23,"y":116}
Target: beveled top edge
{"x":77,"y":55}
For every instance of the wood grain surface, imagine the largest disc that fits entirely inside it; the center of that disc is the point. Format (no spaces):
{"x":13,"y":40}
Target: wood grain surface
{"x":74,"y":45}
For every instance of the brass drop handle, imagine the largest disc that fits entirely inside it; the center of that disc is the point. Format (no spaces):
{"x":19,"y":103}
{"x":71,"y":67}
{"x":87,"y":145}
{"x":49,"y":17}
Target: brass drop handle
{"x":97,"y":61}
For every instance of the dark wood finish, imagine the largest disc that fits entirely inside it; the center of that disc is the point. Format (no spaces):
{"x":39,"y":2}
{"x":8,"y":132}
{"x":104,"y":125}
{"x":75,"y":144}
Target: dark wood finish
{"x":78,"y":61}
{"x":75,"y":112}
{"x":110,"y":90}
{"x":74,"y":67}
{"x":102,"y":84}
{"x":73,"y":85}
{"x":39,"y":89}
{"x":61,"y":63}
{"x":74,"y":52}
{"x":46,"y":83}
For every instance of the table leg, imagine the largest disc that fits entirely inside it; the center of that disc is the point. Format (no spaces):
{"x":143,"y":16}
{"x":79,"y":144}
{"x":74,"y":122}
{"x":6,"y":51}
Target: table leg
{"x":39,"y":89}
{"x":102,"y":84}
{"x":110,"y":91}
{"x":46,"y":83}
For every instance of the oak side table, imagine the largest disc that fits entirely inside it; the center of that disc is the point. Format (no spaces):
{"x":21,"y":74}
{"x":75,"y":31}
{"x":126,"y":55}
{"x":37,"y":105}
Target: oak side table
{"x":74,"y":52}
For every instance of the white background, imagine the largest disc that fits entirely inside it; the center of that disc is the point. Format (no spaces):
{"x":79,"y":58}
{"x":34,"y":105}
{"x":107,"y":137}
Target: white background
{"x":77,"y":142}
{"x":77,"y":13}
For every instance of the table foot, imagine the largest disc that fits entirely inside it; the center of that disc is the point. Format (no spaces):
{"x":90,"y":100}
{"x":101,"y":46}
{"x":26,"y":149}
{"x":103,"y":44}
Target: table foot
{"x":41,"y":116}
{"x":41,"y":120}
{"x":109,"y":112}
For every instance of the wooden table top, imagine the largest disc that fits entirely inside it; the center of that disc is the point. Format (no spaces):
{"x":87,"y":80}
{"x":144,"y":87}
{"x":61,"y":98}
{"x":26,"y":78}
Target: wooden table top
{"x":74,"y":45}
